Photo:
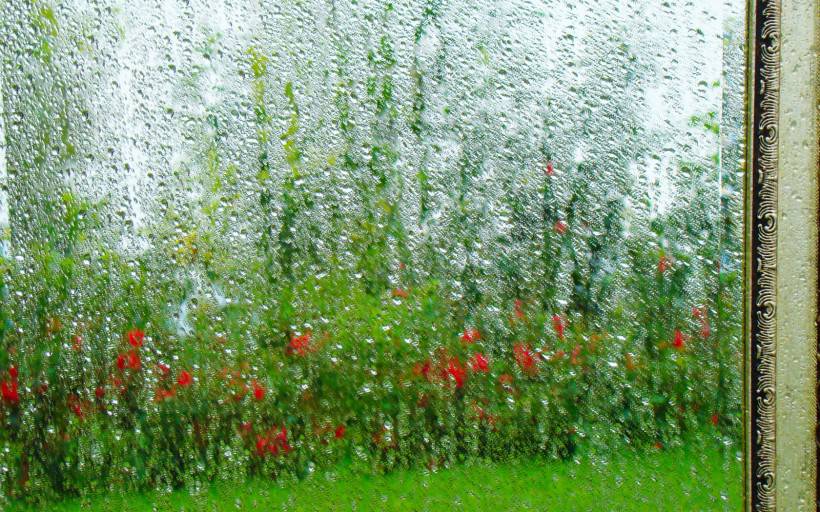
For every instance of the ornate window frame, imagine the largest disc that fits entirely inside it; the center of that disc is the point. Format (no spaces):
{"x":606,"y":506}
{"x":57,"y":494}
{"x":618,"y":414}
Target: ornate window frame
{"x":781,"y":291}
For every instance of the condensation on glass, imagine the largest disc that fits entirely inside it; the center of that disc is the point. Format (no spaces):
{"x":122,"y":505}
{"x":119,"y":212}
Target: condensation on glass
{"x":315,"y":240}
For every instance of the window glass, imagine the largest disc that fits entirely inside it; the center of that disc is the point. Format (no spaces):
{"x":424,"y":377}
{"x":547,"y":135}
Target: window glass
{"x":428,"y":254}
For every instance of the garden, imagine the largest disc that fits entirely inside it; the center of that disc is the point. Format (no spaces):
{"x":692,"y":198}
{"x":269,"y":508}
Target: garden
{"x":365,"y":281}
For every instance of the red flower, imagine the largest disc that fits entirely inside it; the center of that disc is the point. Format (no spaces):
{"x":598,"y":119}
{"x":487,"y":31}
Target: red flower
{"x":705,"y":329}
{"x":559,"y":325}
{"x":258,"y":391}
{"x":340,"y":432}
{"x":75,"y":406}
{"x":678,"y":340}
{"x":698,"y":312}
{"x":282,"y":440}
{"x":663,"y":264}
{"x":8,"y":389}
{"x":13,"y":373}
{"x":398,"y":292}
{"x":261,"y":444}
{"x":518,"y":309}
{"x":470,"y":336}
{"x":185,"y":379}
{"x":121,"y":362}
{"x":273,"y":442}
{"x":479,"y":363}
{"x":163,"y":394}
{"x":300,"y":345}
{"x":423,"y":369}
{"x":134,"y":361}
{"x":77,"y":343}
{"x":505,"y":379}
{"x":560,"y":227}
{"x":457,"y":371}
{"x":550,"y":170}
{"x":135,"y":337}
{"x":714,"y":419}
{"x":524,"y":358}
{"x":99,"y":392}
{"x":164,"y":369}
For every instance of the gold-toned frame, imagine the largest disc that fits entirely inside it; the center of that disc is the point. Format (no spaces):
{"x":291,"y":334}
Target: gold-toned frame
{"x":781,"y":254}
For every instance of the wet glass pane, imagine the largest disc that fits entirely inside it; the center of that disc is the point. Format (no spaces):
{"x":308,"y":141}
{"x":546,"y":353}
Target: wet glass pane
{"x":355,"y":255}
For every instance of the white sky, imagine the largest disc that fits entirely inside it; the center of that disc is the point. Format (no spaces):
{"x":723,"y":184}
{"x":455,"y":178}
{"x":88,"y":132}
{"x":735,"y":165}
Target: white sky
{"x":142,"y":57}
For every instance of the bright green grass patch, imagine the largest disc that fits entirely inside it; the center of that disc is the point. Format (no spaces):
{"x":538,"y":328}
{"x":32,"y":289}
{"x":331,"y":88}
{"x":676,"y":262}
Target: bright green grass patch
{"x":681,"y":479}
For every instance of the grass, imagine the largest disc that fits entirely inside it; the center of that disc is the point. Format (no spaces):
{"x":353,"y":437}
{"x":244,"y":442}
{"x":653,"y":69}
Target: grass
{"x":679,"y":479}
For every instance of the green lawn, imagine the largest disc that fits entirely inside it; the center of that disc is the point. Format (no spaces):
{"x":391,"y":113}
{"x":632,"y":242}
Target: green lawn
{"x":681,"y":479}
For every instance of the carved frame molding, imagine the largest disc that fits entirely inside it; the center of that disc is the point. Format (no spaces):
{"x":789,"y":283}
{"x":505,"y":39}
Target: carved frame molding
{"x":763,"y":91}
